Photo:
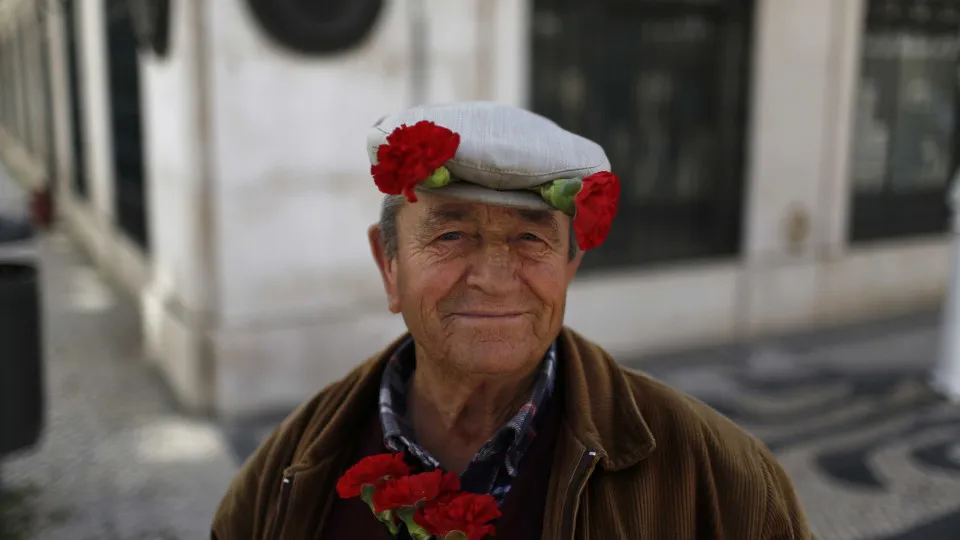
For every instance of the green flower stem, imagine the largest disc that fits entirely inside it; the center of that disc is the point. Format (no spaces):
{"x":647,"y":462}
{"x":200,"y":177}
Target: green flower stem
{"x":439,"y":178}
{"x":366,"y":494}
{"x":561,"y":194}
{"x":416,"y":531}
{"x":387,"y":517}
{"x":456,"y":535}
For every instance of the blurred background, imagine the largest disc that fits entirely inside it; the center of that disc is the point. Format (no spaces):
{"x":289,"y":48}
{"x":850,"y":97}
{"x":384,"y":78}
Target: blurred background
{"x":185,"y":195}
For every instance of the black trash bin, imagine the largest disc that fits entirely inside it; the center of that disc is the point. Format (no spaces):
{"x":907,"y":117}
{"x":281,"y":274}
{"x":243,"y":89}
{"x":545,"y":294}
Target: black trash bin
{"x":22,"y":402}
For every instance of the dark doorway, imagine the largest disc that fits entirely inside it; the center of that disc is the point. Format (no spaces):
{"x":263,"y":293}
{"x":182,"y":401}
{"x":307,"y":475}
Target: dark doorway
{"x":662,"y":85}
{"x":77,"y":139}
{"x":125,"y":120}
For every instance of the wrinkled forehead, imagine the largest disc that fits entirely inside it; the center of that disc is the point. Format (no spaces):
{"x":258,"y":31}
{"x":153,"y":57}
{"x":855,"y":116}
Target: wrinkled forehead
{"x":432,"y":211}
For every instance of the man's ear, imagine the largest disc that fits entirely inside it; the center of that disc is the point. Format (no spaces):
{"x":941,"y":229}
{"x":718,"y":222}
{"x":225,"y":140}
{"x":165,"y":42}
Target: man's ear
{"x":573,"y":265}
{"x":387,"y":267}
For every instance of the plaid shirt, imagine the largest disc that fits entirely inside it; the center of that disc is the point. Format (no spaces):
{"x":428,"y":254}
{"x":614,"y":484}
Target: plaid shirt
{"x":494,"y":466}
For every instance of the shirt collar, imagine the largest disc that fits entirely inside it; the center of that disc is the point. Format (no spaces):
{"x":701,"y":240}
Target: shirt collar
{"x":511,"y":440}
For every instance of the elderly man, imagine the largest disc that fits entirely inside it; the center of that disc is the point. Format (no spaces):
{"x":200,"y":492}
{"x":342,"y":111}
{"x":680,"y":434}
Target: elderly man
{"x":490,"y":419}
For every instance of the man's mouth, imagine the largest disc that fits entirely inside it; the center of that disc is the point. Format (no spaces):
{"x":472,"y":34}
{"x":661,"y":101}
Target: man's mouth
{"x":488,"y":314}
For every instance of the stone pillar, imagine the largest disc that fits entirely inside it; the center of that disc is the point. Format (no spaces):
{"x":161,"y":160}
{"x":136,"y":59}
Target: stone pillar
{"x":805,"y":68}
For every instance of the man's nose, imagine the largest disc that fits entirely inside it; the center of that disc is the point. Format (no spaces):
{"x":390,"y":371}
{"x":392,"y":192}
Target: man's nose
{"x":493,"y":269}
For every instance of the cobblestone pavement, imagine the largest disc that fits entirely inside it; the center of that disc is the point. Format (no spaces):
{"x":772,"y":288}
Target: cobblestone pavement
{"x":117,"y":461}
{"x":873,"y":453}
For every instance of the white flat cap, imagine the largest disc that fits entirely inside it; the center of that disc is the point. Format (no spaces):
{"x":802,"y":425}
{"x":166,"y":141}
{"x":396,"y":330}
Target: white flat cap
{"x":504,"y":151}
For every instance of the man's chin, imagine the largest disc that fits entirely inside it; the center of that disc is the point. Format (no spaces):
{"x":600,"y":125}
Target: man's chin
{"x":491,"y":323}
{"x":495,"y":357}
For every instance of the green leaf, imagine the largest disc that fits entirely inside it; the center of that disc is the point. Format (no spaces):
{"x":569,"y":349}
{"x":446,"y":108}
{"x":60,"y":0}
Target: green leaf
{"x":455,"y":535}
{"x":439,"y":178}
{"x":561,"y":194}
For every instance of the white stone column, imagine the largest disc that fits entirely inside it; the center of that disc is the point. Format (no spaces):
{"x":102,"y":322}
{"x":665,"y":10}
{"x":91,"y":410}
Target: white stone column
{"x":804,"y":67}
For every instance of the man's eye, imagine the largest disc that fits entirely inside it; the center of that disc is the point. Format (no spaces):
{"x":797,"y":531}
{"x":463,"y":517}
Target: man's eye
{"x":530,"y":237}
{"x":450,"y":236}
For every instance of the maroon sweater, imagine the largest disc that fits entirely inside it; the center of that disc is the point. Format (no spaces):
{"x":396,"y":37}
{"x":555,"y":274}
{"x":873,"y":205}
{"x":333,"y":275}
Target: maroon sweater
{"x":522,"y":509}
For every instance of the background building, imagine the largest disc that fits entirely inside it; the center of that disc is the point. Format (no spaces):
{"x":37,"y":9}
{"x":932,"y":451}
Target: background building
{"x":784,"y":163}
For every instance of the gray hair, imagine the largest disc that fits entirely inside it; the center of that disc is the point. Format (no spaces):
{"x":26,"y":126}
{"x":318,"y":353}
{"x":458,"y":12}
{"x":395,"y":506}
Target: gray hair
{"x":388,"y":227}
{"x":388,"y":223}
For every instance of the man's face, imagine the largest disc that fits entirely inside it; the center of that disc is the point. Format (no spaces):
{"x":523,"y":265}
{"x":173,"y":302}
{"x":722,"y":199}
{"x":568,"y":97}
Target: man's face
{"x":481,"y":287}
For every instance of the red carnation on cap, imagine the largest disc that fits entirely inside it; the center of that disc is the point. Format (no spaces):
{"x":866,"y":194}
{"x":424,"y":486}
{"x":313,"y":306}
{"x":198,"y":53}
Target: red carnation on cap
{"x":596,"y":205}
{"x":412,"y":154}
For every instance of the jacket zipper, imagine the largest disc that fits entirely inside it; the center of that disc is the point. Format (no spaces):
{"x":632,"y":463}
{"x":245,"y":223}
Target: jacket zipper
{"x":588,"y":461}
{"x":282,"y":502}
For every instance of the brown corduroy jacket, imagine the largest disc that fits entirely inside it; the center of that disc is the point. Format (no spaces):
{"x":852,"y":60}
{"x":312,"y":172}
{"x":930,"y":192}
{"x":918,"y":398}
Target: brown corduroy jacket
{"x":634,"y":459}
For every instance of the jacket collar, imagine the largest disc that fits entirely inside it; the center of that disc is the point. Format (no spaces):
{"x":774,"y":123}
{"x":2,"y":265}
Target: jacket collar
{"x":600,"y":407}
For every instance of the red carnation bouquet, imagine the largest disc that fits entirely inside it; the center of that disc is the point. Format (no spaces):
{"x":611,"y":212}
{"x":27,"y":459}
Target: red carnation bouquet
{"x":430,"y":505}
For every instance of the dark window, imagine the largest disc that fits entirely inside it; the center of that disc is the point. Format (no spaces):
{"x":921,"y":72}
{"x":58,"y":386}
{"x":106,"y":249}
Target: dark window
{"x":77,"y":138}
{"x":124,"y":79}
{"x":662,"y":86}
{"x":905,"y":146}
